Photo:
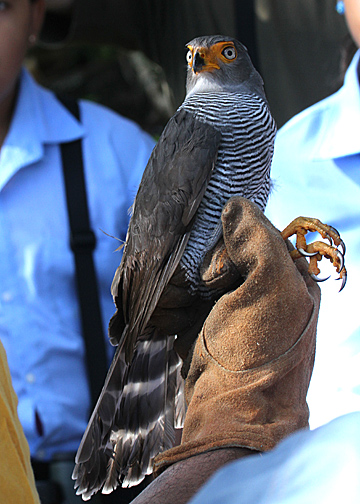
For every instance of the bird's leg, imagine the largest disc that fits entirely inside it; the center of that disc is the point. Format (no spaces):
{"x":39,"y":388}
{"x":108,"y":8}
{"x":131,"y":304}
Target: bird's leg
{"x":316,"y":250}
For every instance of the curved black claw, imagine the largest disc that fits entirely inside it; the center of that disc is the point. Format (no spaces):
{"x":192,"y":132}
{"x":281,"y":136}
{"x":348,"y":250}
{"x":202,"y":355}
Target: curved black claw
{"x":306,"y":254}
{"x":341,"y":259}
{"x":341,"y":244}
{"x":343,"y":283}
{"x":335,"y":230}
{"x":317,"y":279}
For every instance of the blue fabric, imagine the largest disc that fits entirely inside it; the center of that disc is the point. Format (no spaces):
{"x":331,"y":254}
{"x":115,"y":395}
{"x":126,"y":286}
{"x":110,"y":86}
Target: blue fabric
{"x":316,"y":173}
{"x":310,"y":467}
{"x":39,"y":315}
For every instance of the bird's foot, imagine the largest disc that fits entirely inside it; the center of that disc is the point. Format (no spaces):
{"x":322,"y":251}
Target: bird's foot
{"x":316,"y":250}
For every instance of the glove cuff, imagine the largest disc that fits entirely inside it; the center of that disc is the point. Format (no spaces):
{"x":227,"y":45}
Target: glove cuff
{"x":252,"y":408}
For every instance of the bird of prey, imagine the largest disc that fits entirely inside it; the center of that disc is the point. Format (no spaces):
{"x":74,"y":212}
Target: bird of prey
{"x":218,"y":144}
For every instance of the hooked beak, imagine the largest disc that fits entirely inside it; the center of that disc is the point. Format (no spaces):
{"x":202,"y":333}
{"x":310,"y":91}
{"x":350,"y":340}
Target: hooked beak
{"x":198,"y":63}
{"x":202,"y":62}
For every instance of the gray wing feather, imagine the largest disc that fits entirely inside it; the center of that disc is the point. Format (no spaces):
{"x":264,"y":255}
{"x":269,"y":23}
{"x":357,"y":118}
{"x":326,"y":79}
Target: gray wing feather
{"x":142,"y":398}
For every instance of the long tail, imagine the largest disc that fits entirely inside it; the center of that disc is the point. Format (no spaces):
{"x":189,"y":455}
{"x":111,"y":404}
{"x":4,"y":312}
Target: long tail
{"x":134,"y":418}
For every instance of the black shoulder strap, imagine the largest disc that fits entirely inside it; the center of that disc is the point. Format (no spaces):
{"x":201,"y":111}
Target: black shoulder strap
{"x":83,"y":242}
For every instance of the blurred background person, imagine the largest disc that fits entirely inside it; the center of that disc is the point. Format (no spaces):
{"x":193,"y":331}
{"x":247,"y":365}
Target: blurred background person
{"x":40,"y":324}
{"x":316,"y":172}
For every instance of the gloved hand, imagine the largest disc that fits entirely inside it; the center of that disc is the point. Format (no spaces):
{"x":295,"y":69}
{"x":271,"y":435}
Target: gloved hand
{"x":253,"y":359}
{"x":251,"y":365}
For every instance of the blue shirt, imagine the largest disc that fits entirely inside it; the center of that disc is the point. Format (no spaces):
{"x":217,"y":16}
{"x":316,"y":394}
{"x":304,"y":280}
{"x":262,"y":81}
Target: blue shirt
{"x":309,"y":467}
{"x":316,"y":173}
{"x":39,"y":313}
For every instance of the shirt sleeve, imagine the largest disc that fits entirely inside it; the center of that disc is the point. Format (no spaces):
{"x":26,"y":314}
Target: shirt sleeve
{"x":17,"y":482}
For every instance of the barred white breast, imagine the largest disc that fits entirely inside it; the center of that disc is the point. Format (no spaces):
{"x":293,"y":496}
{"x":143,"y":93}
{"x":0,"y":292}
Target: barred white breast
{"x":242,"y":167}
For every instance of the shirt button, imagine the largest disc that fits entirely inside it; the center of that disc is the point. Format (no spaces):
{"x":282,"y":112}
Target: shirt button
{"x":30,"y":378}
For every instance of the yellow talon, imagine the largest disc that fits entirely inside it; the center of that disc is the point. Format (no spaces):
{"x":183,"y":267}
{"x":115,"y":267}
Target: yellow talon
{"x":318,"y":249}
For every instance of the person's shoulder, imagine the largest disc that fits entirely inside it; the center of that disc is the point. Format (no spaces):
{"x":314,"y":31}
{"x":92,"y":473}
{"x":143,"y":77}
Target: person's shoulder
{"x":110,"y":122}
{"x":93,"y":111}
{"x":300,"y":135}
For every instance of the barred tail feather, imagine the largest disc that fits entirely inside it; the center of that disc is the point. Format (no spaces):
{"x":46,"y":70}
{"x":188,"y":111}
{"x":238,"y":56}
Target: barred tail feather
{"x":132,"y":422}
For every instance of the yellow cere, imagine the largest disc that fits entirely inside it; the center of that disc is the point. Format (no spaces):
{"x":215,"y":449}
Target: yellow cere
{"x":221,"y":52}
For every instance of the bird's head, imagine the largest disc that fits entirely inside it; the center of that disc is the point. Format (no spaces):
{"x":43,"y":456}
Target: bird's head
{"x":220,"y":63}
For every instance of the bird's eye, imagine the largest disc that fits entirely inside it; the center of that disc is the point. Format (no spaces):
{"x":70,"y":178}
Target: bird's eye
{"x":189,"y":56}
{"x":229,"y":53}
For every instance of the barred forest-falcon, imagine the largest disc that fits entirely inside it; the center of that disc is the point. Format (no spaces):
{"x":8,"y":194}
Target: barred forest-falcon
{"x":217,"y":145}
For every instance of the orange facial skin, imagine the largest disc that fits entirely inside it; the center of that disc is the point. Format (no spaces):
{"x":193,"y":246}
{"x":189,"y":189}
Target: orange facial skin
{"x":205,"y":59}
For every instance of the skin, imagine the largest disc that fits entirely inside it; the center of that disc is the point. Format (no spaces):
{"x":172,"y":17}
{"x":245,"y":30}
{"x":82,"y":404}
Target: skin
{"x":20,"y":23}
{"x":352,"y":16}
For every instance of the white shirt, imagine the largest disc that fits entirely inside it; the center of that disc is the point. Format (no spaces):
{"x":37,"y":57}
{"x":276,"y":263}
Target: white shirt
{"x":316,"y":173}
{"x":39,"y":313}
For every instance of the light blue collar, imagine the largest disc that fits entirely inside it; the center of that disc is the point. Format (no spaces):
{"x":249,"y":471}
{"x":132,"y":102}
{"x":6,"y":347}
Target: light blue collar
{"x":38,"y":119}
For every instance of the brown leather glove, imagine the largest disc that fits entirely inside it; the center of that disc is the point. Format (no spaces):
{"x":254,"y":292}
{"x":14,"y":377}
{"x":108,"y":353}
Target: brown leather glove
{"x":253,"y":359}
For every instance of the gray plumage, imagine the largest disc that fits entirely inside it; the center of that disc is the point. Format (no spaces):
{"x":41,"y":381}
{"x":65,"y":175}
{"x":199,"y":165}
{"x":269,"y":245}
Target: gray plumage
{"x":218,"y":144}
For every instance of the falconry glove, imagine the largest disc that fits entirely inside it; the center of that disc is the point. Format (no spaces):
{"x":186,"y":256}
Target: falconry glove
{"x":253,"y":359}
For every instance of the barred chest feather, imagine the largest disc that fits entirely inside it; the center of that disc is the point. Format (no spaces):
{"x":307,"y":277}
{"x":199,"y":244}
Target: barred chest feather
{"x":242,"y":167}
